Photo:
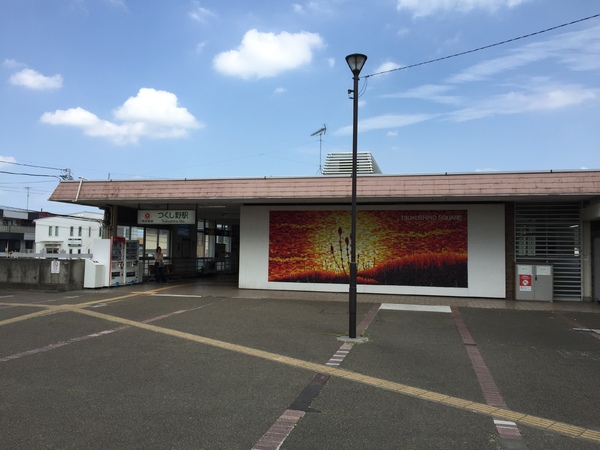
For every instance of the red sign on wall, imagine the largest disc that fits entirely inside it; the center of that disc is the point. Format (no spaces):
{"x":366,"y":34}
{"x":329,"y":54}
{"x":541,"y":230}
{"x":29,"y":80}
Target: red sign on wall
{"x":524,"y":282}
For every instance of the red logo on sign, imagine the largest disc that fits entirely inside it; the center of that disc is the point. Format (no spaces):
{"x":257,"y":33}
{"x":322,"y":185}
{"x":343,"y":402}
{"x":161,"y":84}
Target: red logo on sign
{"x":524,"y":280}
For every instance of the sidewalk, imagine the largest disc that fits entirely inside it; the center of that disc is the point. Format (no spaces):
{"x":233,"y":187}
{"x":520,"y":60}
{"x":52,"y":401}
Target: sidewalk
{"x":229,"y":289}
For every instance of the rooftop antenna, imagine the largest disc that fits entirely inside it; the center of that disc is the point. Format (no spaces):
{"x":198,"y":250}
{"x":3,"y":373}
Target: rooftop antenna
{"x":320,"y":132}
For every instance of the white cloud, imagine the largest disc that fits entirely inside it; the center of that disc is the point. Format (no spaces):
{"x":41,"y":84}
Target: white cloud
{"x":577,"y":50}
{"x":155,"y":107}
{"x":386,"y":121}
{"x":312,"y":7}
{"x":430,"y":92}
{"x":200,"y":47}
{"x":13,"y":64}
{"x":541,"y":98}
{"x":421,"y":8}
{"x":151,"y":114}
{"x":280,"y":90}
{"x":6,"y":159}
{"x":31,"y":79}
{"x":264,"y":55}
{"x":200,"y":14}
{"x":387,"y":66}
{"x":119,"y":4}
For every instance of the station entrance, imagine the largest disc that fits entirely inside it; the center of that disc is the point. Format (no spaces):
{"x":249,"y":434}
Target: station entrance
{"x":201,"y":247}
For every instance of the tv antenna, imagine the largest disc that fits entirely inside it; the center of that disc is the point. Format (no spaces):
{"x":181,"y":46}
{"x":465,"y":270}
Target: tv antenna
{"x":320,"y":133}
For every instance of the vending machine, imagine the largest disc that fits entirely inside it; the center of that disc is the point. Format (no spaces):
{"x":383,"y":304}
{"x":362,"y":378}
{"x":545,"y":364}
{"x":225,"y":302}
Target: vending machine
{"x":131,"y":262}
{"x":117,"y":261}
{"x":109,"y":253}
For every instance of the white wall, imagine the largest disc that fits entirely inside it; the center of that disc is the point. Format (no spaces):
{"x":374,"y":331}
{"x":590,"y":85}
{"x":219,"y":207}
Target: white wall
{"x":64,"y":224}
{"x":486,"y":263}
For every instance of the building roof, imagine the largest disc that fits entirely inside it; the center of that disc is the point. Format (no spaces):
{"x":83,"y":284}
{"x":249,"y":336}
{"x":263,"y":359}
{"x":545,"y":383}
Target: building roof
{"x":399,"y":187}
{"x":229,"y":194}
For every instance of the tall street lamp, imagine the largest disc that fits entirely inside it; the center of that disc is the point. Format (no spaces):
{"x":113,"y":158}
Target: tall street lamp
{"x":356,"y":62}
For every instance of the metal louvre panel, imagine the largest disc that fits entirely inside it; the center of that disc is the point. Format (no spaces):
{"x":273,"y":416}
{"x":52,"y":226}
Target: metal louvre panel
{"x":551,"y":234}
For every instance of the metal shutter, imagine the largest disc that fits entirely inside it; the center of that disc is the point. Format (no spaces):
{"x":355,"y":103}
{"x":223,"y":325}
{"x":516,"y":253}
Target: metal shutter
{"x":551,"y":234}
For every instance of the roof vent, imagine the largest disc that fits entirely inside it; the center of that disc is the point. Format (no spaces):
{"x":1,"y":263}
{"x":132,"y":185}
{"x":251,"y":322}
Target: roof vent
{"x":341,"y":164}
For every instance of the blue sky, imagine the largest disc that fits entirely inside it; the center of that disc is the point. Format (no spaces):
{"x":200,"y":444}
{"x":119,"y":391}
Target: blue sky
{"x":151,"y":89}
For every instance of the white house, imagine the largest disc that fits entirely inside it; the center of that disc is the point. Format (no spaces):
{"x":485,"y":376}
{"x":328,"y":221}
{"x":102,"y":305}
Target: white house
{"x":72,"y":234}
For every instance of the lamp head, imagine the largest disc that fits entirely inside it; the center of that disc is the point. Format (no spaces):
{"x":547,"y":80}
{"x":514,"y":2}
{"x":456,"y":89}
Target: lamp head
{"x":356,"y":61}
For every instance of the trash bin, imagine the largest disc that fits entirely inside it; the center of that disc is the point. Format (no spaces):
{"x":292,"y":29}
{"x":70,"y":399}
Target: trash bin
{"x":94,"y":274}
{"x":534,"y":282}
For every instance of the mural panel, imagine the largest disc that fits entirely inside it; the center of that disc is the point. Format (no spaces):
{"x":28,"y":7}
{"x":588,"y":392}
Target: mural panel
{"x":398,"y":248}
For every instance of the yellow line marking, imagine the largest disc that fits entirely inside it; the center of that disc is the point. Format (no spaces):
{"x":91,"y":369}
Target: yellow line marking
{"x":25,"y":305}
{"x":106,"y":300}
{"x":70,"y":306}
{"x":431,"y":396}
{"x":538,"y":422}
{"x":592,"y":435}
{"x":508,"y":415}
{"x":45,"y":312}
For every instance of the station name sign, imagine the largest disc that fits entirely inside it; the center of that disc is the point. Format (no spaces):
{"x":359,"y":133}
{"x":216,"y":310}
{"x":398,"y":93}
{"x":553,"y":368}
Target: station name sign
{"x":166,"y":217}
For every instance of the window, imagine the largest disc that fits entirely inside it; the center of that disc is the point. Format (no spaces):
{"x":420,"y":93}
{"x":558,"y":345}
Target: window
{"x":56,"y":230}
{"x":80,"y":231}
{"x":71,"y":232}
{"x":50,"y":230}
{"x":51,"y":249}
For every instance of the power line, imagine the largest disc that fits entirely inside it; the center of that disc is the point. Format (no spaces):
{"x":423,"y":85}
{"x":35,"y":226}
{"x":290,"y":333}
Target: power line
{"x":30,"y":174}
{"x":67,"y":216}
{"x":484,"y":47}
{"x":29,"y":165}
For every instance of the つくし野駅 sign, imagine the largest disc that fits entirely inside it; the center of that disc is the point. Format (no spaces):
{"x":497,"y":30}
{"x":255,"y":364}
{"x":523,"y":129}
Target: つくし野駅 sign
{"x":169,"y":216}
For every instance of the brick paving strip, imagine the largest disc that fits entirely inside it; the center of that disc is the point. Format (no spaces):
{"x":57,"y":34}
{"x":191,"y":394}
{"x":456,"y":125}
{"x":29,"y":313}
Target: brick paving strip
{"x":506,"y":429}
{"x":275,"y":436}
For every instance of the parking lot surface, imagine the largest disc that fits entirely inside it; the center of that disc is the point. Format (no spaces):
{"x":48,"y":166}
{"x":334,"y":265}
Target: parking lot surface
{"x":204,"y":365}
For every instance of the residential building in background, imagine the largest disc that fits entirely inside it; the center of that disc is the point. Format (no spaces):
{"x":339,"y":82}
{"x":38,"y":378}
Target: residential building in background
{"x":17,"y":230}
{"x":72,"y":234}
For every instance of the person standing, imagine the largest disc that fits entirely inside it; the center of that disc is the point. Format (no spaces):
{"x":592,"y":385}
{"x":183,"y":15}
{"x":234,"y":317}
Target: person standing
{"x":159,"y":266}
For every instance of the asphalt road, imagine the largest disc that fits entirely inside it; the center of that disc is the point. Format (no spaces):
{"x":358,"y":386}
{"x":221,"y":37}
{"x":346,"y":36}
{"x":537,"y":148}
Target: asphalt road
{"x":179,"y":367}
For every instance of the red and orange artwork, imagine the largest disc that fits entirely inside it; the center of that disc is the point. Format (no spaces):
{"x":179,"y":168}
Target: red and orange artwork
{"x":398,"y":248}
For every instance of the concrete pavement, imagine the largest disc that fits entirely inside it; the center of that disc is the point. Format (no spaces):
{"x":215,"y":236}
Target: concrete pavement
{"x":203,"y":365}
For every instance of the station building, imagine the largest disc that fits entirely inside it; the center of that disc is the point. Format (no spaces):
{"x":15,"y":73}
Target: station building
{"x":478,"y":235}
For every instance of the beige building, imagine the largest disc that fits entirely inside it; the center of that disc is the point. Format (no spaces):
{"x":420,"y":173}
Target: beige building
{"x":448,"y":234}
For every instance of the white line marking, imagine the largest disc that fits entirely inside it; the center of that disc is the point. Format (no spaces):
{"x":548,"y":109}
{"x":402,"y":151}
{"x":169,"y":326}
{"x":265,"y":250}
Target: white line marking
{"x":420,"y":308}
{"x":504,"y":423}
{"x":592,"y":330}
{"x":176,"y":295}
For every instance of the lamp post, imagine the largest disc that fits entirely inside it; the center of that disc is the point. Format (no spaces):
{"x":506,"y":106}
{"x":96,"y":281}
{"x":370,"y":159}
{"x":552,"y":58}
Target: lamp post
{"x":356,"y":62}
